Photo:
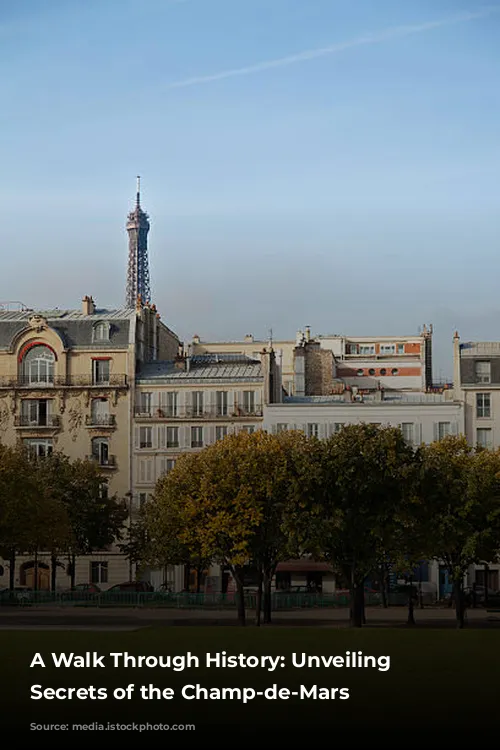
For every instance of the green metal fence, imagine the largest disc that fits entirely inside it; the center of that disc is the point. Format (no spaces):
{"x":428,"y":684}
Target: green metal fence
{"x":279,"y":601}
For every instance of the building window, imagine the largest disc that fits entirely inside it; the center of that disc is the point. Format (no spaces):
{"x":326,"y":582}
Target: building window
{"x":169,"y":403}
{"x":143,"y":499}
{"x":100,"y":450}
{"x":98,"y":572}
{"x":221,"y":403}
{"x":248,"y":428}
{"x":281,"y":427}
{"x":387,"y":348}
{"x":407,"y":428}
{"x":196,"y":437}
{"x":313,"y":430}
{"x":338,"y":426}
{"x":360,"y":373}
{"x":101,"y":331}
{"x":220,"y":432}
{"x":367,"y":349}
{"x":383,"y":371}
{"x":484,"y":437}
{"x":100,"y":411}
{"x":100,"y":371}
{"x":395,"y":371}
{"x":144,"y":403}
{"x":39,"y":448}
{"x":145,"y":437}
{"x":172,"y":437}
{"x":289,"y":387}
{"x":371,"y":371}
{"x":146,"y":470}
{"x":483,"y":405}
{"x":169,"y":465}
{"x":197,"y":403}
{"x":38,"y":366}
{"x":444,"y":429}
{"x":249,"y":402}
{"x":36,"y":412}
{"x":400,"y":349}
{"x":483,"y":372}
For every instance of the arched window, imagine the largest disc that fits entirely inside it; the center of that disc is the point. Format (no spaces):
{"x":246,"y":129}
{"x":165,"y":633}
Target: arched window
{"x":38,"y":366}
{"x":101,"y":331}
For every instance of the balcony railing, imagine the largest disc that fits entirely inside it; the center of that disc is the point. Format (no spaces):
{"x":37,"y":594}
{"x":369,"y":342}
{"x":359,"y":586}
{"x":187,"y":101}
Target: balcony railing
{"x":100,"y":420}
{"x":108,"y":462}
{"x":48,"y":422}
{"x":188,"y":412}
{"x":69,"y":381}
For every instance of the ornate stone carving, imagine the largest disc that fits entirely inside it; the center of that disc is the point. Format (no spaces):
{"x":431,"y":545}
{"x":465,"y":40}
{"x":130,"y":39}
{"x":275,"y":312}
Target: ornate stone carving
{"x":75,"y":419}
{"x":4,"y":418}
{"x":38,"y":322}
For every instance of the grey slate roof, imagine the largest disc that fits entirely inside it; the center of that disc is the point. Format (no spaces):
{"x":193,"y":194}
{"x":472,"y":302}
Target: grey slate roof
{"x":167,"y":371}
{"x":74,"y":327}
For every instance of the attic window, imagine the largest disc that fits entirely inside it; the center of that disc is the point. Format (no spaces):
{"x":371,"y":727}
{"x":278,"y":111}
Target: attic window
{"x":101,"y":331}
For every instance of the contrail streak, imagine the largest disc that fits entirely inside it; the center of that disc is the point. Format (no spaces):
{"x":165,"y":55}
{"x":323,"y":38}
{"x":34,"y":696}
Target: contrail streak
{"x":373,"y":38}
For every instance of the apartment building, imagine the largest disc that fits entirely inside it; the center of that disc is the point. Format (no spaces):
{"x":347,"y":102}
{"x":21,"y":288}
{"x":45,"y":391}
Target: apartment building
{"x":422,"y":417}
{"x":402,"y":363}
{"x":67,"y":382}
{"x":186,"y":404}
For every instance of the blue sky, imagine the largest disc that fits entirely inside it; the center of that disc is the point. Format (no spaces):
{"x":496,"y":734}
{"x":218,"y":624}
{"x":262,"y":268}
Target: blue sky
{"x":355,"y":190}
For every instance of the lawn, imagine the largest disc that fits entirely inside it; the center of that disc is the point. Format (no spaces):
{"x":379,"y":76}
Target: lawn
{"x":437,"y":678}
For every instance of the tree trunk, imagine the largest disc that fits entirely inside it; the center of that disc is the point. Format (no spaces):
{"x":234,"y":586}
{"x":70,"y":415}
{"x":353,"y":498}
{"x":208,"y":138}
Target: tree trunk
{"x":240,"y":601}
{"x":35,"y":573}
{"x":258,"y":600}
{"x":53,"y":573}
{"x":357,"y":602}
{"x":383,"y":589}
{"x":411,"y":608}
{"x":73,"y":571}
{"x":486,"y":569}
{"x":198,"y":579}
{"x":459,"y":603}
{"x":187,"y":576}
{"x":12,"y":569}
{"x":267,"y":597}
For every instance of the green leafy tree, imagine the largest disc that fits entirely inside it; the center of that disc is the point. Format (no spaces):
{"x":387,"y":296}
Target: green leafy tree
{"x":363,"y":472}
{"x":460,"y":490}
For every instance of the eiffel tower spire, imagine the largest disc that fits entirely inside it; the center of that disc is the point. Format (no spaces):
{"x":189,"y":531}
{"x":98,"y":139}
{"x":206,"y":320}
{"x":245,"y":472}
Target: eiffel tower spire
{"x":138,"y":264}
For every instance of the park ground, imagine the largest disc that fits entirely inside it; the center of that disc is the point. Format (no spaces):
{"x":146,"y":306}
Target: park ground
{"x":441,"y":683}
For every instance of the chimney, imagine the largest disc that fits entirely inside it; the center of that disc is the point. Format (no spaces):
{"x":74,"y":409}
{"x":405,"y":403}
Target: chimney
{"x":308,"y":333}
{"x":88,"y":306}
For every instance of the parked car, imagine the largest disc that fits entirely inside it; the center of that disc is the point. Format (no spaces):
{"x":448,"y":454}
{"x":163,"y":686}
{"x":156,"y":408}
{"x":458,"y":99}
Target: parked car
{"x":480,"y":594}
{"x":139,"y":587}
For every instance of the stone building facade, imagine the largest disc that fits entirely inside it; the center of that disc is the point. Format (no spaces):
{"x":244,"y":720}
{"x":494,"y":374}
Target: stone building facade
{"x":67,"y":380}
{"x":184,"y":405}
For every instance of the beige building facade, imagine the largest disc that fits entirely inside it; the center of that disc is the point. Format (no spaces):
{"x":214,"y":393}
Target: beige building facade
{"x":183,"y":406}
{"x":67,"y":381}
{"x":402,"y":363}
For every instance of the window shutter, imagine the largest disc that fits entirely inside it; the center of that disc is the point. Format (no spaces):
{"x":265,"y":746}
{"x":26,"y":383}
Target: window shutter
{"x":274,"y":429}
{"x":418,"y":434}
{"x":454,"y":428}
{"x":436,"y":431}
{"x":137,"y":437}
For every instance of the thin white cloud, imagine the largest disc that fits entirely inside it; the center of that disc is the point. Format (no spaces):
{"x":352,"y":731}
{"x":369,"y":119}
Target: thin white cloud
{"x":373,"y":38}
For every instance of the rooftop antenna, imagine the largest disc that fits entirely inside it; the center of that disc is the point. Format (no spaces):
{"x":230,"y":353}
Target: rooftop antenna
{"x":270,"y":338}
{"x":138,"y":196}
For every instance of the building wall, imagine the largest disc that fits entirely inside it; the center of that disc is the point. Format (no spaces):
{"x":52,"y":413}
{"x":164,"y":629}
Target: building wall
{"x":325,"y":419}
{"x":151,"y":424}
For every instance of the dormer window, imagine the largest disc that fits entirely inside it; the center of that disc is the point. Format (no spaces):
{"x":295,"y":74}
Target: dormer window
{"x":101,"y":331}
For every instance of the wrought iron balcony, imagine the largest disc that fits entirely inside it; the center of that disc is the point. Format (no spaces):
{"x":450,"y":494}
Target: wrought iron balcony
{"x":108,"y":462}
{"x":71,"y":381}
{"x":188,"y":412}
{"x":100,"y":420}
{"x":48,"y":422}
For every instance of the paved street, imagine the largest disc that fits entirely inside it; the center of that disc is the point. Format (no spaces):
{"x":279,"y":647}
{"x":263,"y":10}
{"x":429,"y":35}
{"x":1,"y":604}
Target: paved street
{"x":53,"y":618}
